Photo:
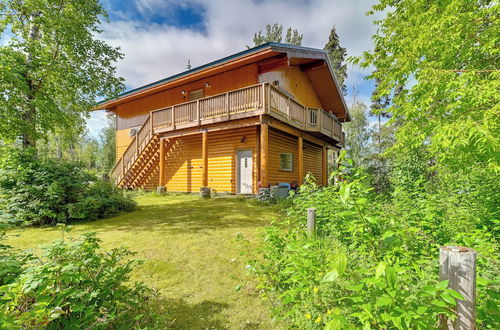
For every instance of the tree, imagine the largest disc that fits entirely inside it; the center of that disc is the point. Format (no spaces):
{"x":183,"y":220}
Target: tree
{"x":337,"y":55}
{"x":52,"y":69}
{"x":274,"y":33}
{"x":357,"y":133}
{"x":107,"y":155}
{"x":443,"y":56}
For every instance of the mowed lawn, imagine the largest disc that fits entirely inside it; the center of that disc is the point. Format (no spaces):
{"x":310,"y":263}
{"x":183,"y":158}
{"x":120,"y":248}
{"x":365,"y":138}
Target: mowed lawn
{"x":192,"y":254}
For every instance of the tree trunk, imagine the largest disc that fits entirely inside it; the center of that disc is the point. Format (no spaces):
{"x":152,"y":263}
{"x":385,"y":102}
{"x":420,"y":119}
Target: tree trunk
{"x":29,"y":116}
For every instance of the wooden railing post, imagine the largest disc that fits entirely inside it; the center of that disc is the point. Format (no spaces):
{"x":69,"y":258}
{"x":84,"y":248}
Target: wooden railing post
{"x":304,"y":117}
{"x":288,"y":107}
{"x":301,"y":160}
{"x":311,"y":222}
{"x":173,"y":117}
{"x":457,"y":264}
{"x":198,"y":112}
{"x":319,"y":119}
{"x":227,"y":106}
{"x":333,"y":127}
{"x":263,"y":98}
{"x":151,"y":123}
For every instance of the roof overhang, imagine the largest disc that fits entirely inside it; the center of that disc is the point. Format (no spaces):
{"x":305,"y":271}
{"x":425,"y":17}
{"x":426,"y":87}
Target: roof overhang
{"x":312,"y":61}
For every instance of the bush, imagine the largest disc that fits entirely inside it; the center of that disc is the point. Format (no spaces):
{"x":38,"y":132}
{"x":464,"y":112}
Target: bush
{"x":373,"y":264}
{"x":10,"y":263}
{"x":77,"y":285}
{"x":44,"y":191}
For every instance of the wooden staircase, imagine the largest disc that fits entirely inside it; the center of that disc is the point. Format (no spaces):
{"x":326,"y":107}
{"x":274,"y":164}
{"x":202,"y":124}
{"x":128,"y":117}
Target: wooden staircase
{"x":139,"y":165}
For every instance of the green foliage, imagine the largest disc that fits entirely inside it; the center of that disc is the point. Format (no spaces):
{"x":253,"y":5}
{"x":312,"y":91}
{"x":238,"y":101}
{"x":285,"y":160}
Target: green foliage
{"x":10,"y":263}
{"x":274,"y":33}
{"x":52,"y":67}
{"x":357,"y":131}
{"x":107,"y":154}
{"x":42,"y":191}
{"x":77,"y":285}
{"x":337,"y":55}
{"x":373,"y":264}
{"x":440,"y":61}
{"x":97,"y":155}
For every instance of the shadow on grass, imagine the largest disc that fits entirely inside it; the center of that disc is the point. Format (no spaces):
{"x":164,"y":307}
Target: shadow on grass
{"x":188,"y":216}
{"x":179,"y":314}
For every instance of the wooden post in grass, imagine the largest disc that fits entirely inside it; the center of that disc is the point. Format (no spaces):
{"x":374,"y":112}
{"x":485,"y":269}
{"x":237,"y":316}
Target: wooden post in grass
{"x":457,"y":264}
{"x":311,"y":222}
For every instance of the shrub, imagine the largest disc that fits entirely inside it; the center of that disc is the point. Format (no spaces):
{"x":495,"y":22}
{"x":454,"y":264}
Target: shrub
{"x":44,"y":191}
{"x":10,"y":263}
{"x":372,"y":265}
{"x":77,"y":285}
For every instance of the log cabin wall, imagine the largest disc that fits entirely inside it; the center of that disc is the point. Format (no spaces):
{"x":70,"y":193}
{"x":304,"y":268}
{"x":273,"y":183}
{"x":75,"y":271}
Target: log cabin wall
{"x":293,"y":80}
{"x":222,"y":150}
{"x":184,"y":165}
{"x":313,"y":161}
{"x":133,"y":113}
{"x":280,"y":142}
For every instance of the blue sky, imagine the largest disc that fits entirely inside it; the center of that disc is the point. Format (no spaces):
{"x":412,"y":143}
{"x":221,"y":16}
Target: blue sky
{"x":159,"y":36}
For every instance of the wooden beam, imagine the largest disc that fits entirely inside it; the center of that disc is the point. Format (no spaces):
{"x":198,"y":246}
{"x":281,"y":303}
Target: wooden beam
{"x":301,"y":160}
{"x":295,"y":132}
{"x":204,"y":139}
{"x":324,"y":168}
{"x":264,"y":153}
{"x":312,"y":65}
{"x":214,"y":127}
{"x":162,"y":163}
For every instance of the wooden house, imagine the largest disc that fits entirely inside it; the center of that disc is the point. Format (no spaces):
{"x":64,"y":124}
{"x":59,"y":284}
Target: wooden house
{"x":264,"y":116}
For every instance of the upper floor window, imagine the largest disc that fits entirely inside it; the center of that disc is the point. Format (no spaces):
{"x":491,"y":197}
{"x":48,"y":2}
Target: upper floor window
{"x":196,"y":94}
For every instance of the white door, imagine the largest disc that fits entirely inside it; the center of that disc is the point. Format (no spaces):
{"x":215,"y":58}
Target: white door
{"x":244,"y":172}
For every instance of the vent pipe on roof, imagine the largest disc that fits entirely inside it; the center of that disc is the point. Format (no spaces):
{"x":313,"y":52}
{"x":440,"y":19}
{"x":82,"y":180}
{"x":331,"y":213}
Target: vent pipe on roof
{"x":188,"y":66}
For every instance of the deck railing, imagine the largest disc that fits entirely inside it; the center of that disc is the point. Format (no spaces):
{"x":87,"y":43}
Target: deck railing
{"x":245,"y":102}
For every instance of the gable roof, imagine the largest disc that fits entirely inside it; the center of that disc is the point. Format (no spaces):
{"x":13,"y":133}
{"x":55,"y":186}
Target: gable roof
{"x":322,"y":76}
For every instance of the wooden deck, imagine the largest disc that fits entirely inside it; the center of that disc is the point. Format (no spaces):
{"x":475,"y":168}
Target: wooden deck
{"x":261,"y":99}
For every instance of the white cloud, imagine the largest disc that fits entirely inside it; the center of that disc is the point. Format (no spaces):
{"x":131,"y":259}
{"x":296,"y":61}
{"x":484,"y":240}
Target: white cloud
{"x":154,"y":51}
{"x":96,"y":122}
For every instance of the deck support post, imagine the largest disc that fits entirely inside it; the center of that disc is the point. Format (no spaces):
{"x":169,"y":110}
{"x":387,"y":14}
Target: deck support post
{"x":324,"y":166}
{"x":204,"y":139}
{"x":162,"y":163}
{"x":301,"y":160}
{"x":257,"y":158}
{"x":264,"y":152}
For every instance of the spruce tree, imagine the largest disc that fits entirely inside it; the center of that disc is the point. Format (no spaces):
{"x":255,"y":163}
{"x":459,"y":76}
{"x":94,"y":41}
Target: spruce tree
{"x":337,"y":54}
{"x":274,"y":33}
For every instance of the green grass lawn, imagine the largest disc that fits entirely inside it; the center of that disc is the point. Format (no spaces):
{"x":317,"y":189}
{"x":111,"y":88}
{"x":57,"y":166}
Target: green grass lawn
{"x":191,"y":255}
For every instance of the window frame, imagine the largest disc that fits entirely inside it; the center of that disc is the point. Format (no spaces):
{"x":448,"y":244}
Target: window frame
{"x":290,"y":169}
{"x":193,"y":92}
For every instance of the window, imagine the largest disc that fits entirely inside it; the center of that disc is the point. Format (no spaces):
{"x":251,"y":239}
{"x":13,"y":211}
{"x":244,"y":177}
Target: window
{"x":286,"y":162}
{"x":196,"y":94}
